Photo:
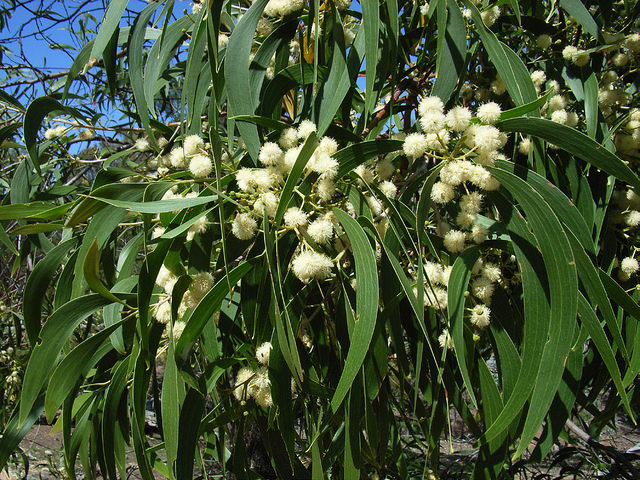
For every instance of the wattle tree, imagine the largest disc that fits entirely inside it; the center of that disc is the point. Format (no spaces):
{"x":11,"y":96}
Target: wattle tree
{"x":307,"y":239}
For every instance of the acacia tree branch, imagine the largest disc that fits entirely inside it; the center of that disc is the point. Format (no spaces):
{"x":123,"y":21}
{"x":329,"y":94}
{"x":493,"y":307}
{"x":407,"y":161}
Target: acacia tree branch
{"x":614,"y":454}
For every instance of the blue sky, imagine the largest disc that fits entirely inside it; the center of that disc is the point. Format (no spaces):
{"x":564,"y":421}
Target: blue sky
{"x":40,"y":50}
{"x":55,"y":50}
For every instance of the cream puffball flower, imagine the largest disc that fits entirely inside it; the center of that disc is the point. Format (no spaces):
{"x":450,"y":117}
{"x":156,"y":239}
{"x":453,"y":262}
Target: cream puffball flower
{"x":436,"y":297}
{"x":442,"y":192}
{"x":324,"y":164}
{"x":491,"y":272}
{"x":200,"y":166}
{"x":385,"y":169}
{"x":632,"y":42}
{"x":223,"y":41}
{"x":321,"y":230}
{"x":629,"y":265}
{"x":483,"y":288}
{"x":489,"y":112}
{"x":244,"y":226}
{"x":306,"y":128}
{"x":86,"y":134}
{"x":281,"y":8}
{"x":572,"y":119}
{"x":445,"y":340}
{"x":177,"y":329}
{"x":579,"y":57}
{"x":270,"y":154}
{"x":569,"y":51}
{"x":465,"y":219}
{"x":242,"y":384}
{"x":262,"y":353}
{"x":633,"y":198}
{"x":490,"y":16}
{"x":290,"y":158}
{"x":481,"y":178}
{"x":264,"y":27}
{"x":294,"y":217}
{"x":199,"y":226}
{"x":478,"y":233}
{"x":415,"y":145}
{"x":157,"y":232}
{"x":201,"y":284}
{"x":557,"y":102}
{"x":142,"y":145}
{"x":487,"y":138}
{"x":166,"y":279}
{"x":454,"y":241}
{"x":544,"y":41}
{"x":177,"y":158}
{"x":163,"y":312}
{"x":263,"y":398}
{"x":559,"y":116}
{"x":52,"y":133}
{"x":310,"y":265}
{"x":471,"y":202}
{"x":266,"y":178}
{"x":266,"y":201}
{"x":538,"y":77}
{"x":374,"y":204}
{"x":193,"y":144}
{"x":524,"y":147}
{"x":325,"y":188}
{"x":328,"y":145}
{"x":430,"y":104}
{"x":389,"y":189}
{"x":364,"y":172}
{"x":432,"y":121}
{"x":458,"y":118}
{"x":245,"y":180}
{"x":433,"y":272}
{"x":261,"y":380}
{"x":288,"y":138}
{"x":455,"y":172}
{"x":480,"y":316}
{"x":633,"y":218}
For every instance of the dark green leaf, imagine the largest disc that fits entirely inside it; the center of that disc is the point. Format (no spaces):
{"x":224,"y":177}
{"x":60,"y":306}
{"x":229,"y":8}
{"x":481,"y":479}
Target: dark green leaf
{"x":236,"y":74}
{"x":576,"y":143}
{"x":366,"y":304}
{"x":37,"y":284}
{"x":108,"y":26}
{"x":55,"y":332}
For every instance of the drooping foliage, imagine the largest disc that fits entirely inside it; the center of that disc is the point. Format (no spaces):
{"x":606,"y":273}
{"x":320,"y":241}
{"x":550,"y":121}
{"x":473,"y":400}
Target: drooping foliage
{"x":327,"y":225}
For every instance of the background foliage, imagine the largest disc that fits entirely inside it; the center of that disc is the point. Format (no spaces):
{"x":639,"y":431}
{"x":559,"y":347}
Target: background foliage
{"x":294,"y":237}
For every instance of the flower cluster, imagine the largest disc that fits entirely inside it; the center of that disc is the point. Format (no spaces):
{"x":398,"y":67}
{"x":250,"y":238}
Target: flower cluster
{"x":465,"y":172}
{"x":626,"y":215}
{"x":55,"y":132}
{"x":7,"y":361}
{"x":200,"y":225}
{"x":465,"y":146}
{"x":68,"y":132}
{"x":254,"y":382}
{"x":261,"y":189}
{"x":282,"y":8}
{"x":200,"y":285}
{"x":312,"y":220}
{"x":191,"y":154}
